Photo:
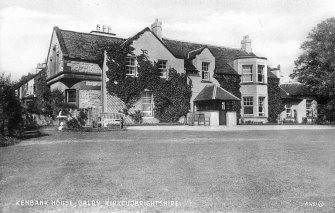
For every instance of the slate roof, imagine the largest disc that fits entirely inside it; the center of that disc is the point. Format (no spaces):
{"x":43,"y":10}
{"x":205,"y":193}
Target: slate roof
{"x":84,"y":46}
{"x":214,"y":92}
{"x":294,"y":90}
{"x":223,"y":56}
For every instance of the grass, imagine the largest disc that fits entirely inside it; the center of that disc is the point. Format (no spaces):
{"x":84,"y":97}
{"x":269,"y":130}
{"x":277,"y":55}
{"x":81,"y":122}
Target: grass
{"x":247,"y":171}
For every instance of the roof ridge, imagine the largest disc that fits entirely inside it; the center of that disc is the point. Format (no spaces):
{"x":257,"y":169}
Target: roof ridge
{"x":208,"y":45}
{"x":91,"y":34}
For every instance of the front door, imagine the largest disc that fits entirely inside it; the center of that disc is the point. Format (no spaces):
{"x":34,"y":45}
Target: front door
{"x":222,"y":114}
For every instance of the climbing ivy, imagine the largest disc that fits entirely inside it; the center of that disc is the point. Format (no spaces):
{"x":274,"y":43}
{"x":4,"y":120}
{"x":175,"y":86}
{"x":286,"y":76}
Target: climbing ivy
{"x":275,"y":104}
{"x":171,"y":95}
{"x":231,"y":83}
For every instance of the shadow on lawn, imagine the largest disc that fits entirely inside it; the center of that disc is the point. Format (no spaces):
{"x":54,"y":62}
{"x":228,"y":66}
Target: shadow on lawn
{"x":11,"y":140}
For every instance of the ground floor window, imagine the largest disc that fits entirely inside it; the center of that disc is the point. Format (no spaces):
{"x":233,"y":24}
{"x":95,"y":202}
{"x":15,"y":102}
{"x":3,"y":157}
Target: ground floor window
{"x":309,"y":110}
{"x":261,"y":108}
{"x":71,"y":96}
{"x":288,"y":109}
{"x":147,"y":104}
{"x":248,"y":106}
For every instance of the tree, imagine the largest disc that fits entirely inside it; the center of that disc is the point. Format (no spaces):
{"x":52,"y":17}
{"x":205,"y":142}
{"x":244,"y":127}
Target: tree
{"x":10,"y":108}
{"x":315,"y":67}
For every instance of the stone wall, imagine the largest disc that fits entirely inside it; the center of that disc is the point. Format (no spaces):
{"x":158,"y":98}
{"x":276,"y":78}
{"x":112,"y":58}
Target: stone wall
{"x":89,"y":99}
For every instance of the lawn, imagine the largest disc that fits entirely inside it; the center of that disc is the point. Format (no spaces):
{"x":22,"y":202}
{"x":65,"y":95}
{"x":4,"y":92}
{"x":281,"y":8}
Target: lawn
{"x":247,"y":171}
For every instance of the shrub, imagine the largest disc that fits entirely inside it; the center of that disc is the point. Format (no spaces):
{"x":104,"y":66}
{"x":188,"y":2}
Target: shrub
{"x":137,"y":116}
{"x":73,"y":124}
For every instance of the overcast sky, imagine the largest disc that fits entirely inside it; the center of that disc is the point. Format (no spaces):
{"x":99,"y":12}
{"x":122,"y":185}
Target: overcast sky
{"x":277,"y":28}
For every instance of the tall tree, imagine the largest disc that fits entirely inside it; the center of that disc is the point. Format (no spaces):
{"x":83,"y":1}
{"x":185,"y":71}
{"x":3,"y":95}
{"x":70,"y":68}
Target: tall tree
{"x":315,"y":67}
{"x":10,"y":108}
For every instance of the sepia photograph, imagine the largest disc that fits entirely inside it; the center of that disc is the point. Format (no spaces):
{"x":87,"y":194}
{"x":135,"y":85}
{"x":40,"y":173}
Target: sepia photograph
{"x":161,"y":106}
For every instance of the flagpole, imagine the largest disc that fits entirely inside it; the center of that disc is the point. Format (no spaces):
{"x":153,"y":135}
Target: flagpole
{"x":103,"y":84}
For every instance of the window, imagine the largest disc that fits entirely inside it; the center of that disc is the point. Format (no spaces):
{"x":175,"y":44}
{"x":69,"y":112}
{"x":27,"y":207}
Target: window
{"x":205,"y":71}
{"x":261,"y":108}
{"x":288,"y":109}
{"x":260,"y":69}
{"x":162,"y":68}
{"x":247,"y":73}
{"x":71,"y":96}
{"x":309,"y":110}
{"x":131,"y":68}
{"x":147,"y":104}
{"x":248,"y":106}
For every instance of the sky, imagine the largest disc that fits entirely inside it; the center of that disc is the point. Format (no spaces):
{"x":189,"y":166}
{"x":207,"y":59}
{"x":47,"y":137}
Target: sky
{"x":277,"y":27}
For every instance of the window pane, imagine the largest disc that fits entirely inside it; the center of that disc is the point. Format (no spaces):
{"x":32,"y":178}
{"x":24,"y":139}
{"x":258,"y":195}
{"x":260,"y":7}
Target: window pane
{"x":162,"y":68}
{"x":205,"y":70}
{"x":247,"y":72}
{"x":147,"y":104}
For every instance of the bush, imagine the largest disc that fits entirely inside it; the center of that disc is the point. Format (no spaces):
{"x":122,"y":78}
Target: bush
{"x":73,"y":124}
{"x":137,"y":117}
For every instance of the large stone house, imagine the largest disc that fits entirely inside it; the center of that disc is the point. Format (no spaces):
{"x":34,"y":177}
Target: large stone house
{"x":220,"y":76}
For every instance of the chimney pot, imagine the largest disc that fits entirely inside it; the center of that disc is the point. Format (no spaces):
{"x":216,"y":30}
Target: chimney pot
{"x":109,"y":29}
{"x":104,"y":28}
{"x":98,"y":27}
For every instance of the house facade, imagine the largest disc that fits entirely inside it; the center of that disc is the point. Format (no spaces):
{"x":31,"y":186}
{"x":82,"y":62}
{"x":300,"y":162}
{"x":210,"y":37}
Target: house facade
{"x":74,"y":67}
{"x":300,"y":103}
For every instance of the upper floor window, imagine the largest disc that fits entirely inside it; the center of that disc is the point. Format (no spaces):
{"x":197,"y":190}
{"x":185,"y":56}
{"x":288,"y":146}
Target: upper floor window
{"x":205,"y":71}
{"x":248,"y":106}
{"x":247,"y":73}
{"x":147,"y":104}
{"x":261,"y":108}
{"x":162,"y":68}
{"x":309,"y":110}
{"x":260,"y":69}
{"x":131,"y":68}
{"x":71,"y":96}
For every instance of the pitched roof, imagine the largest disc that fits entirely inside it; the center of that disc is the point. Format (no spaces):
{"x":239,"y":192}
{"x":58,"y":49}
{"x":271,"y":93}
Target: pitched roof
{"x":214,"y":92}
{"x":223,"y":56}
{"x":84,"y":46}
{"x":295,"y":89}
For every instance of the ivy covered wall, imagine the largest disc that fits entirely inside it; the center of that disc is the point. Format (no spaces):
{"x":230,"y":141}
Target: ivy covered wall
{"x":275,"y":104}
{"x":231,"y":83}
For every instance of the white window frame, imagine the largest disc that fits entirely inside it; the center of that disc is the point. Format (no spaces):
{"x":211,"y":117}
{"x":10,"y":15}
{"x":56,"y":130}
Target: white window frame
{"x":246,"y":72}
{"x":309,"y":108}
{"x":248,"y":101}
{"x":260,"y":73}
{"x":261,"y":106}
{"x":162,"y":67}
{"x":131,"y":66}
{"x":288,"y":110}
{"x":147,"y":100}
{"x":205,"y":70}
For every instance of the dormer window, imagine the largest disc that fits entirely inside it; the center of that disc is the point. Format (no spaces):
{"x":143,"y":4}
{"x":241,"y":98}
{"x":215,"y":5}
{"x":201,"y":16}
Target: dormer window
{"x":247,"y":73}
{"x":260,"y":77}
{"x":205,"y":71}
{"x":162,"y":68}
{"x":131,"y":68}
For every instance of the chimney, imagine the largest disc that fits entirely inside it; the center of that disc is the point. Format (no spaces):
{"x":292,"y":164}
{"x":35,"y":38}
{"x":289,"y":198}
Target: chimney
{"x":246,"y":44}
{"x":109,"y":29}
{"x":98,"y":27}
{"x":103,"y":28}
{"x":277,"y":72}
{"x":156,"y":28}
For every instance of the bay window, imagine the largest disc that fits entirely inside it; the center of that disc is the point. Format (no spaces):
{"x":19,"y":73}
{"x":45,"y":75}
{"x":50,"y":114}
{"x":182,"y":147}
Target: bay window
{"x":261,"y":108}
{"x":247,"y":73}
{"x":248,"y":106}
{"x":260,"y":72}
